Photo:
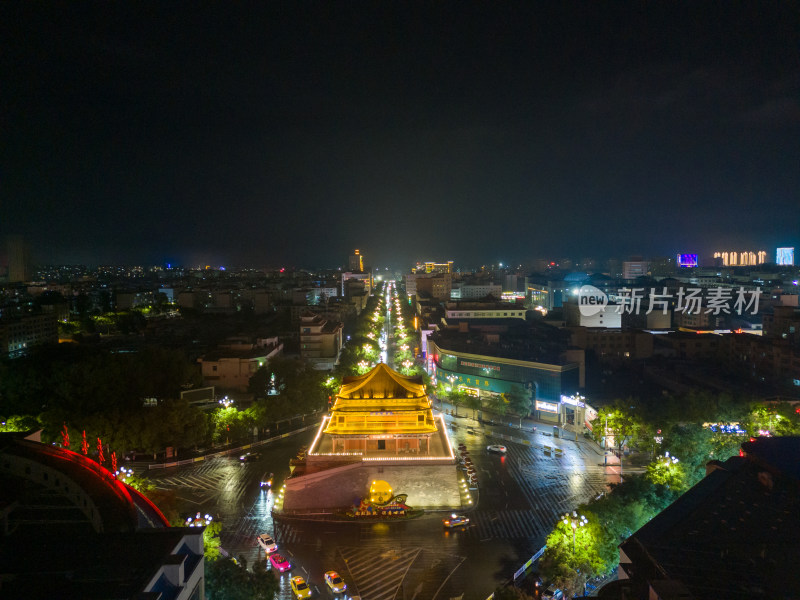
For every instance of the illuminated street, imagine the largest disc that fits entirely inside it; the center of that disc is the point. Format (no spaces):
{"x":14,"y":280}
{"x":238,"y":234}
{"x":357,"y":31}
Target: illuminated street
{"x":521,"y":495}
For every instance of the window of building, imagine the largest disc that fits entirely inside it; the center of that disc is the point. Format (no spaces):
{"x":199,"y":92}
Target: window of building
{"x":381,"y":444}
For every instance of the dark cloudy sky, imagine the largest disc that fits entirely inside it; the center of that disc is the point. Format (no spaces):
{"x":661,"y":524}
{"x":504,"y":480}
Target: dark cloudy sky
{"x":291,"y":132}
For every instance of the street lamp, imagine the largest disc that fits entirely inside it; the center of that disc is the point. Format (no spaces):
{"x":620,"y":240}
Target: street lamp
{"x":574,"y":521}
{"x":226,"y":402}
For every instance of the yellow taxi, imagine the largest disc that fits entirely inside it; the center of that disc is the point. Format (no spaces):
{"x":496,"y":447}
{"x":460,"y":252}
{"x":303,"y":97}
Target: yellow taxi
{"x":300,"y":587}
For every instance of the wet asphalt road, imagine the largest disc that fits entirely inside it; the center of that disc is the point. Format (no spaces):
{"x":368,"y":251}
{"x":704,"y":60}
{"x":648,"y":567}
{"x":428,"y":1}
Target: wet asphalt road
{"x":521,"y":495}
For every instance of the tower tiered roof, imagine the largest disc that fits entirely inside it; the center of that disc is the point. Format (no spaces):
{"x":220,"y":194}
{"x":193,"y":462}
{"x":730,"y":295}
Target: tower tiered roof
{"x":382,"y":401}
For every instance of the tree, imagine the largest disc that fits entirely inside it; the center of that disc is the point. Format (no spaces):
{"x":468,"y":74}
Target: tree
{"x":694,"y":445}
{"x":669,"y":472}
{"x":510,"y":593}
{"x":518,"y":402}
{"x":622,"y":422}
{"x":572,"y":556}
{"x":498,"y":405}
{"x":226,"y":580}
{"x":457,"y":398}
{"x":472,"y":402}
{"x":211,"y":539}
{"x":19,"y":423}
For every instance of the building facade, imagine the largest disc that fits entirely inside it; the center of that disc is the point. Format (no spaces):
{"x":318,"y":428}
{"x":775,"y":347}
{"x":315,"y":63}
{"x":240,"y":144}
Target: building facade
{"x":491,"y":365}
{"x":320,"y":340}
{"x":231,"y":368}
{"x":19,"y":335}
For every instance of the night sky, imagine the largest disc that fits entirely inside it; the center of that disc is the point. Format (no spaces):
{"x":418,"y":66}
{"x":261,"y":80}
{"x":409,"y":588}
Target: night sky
{"x":289,"y":133}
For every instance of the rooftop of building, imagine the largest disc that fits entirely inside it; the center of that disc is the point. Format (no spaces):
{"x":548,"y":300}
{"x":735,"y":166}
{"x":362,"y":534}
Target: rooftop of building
{"x":734,"y":534}
{"x":526,"y":341}
{"x":89,"y":567}
{"x":381,"y":382}
{"x":247,"y":354}
{"x":120,"y":507}
{"x":75,"y":530}
{"x":478,"y":305}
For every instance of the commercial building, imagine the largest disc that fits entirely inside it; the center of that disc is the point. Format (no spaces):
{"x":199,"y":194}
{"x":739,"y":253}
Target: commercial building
{"x":483,"y":310}
{"x":78,"y":532}
{"x":433,"y":267}
{"x":475,"y":291}
{"x":433,"y":285}
{"x":531,"y":356}
{"x":363,"y":281}
{"x":355,"y":261}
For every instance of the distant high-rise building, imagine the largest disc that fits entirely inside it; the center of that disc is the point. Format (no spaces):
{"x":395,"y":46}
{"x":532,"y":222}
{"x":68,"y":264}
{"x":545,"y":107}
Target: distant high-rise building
{"x":19,"y":262}
{"x":433,"y":267}
{"x":356,"y":262}
{"x":746,"y":258}
{"x":636,"y":267}
{"x":785,"y":256}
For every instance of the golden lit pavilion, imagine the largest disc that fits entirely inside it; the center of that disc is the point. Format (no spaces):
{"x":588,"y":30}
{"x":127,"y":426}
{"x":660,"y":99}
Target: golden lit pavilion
{"x":382,"y":412}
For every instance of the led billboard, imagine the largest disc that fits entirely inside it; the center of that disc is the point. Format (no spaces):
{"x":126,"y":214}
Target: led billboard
{"x":784,"y":256}
{"x":687,"y":260}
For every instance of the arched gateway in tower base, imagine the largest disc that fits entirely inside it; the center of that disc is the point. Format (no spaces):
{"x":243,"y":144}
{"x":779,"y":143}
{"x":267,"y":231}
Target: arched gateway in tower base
{"x":381,"y":427}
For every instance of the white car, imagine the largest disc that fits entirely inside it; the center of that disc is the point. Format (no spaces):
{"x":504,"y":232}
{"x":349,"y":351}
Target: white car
{"x":497,"y":448}
{"x":267,"y":543}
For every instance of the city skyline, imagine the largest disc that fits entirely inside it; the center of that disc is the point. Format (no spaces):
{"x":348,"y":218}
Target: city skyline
{"x":289,"y":136}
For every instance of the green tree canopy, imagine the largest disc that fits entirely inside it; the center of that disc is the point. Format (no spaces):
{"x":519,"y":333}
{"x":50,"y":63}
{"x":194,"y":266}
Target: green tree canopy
{"x":225,"y":580}
{"x":519,"y":402}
